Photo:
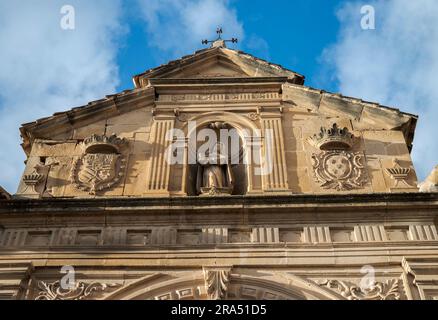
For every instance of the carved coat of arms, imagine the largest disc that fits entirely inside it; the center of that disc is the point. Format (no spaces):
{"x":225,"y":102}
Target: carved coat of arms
{"x":340,"y":170}
{"x":335,"y":167}
{"x":101,"y":165}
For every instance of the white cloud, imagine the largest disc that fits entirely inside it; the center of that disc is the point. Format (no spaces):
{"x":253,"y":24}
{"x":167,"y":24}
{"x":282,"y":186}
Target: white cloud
{"x":396,"y":64}
{"x":45,"y":69}
{"x":176,"y":27}
{"x":259,"y":45}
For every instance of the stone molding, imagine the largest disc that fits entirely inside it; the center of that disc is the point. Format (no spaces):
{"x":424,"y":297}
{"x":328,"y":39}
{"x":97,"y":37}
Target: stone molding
{"x":134,"y":236}
{"x":220,"y":97}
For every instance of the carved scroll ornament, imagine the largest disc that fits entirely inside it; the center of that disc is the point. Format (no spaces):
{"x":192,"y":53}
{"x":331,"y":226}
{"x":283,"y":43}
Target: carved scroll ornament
{"x":80,"y":291}
{"x":387,"y":290}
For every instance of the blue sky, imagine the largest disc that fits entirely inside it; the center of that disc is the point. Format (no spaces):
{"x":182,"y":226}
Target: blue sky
{"x":46,"y":69}
{"x":293,"y":34}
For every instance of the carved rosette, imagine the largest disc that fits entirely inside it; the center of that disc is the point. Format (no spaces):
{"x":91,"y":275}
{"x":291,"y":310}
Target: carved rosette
{"x":335,"y":167}
{"x":339,"y":170}
{"x":101,"y":165}
{"x":253,"y":116}
{"x":216,"y":283}
{"x":388,"y":290}
{"x":80,"y":291}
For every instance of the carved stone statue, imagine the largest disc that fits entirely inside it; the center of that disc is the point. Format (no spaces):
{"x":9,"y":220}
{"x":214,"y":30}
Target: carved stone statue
{"x":431,"y":182}
{"x":214,"y":175}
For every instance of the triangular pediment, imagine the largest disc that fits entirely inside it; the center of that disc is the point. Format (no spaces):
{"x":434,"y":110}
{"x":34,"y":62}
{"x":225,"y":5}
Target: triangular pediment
{"x":217,"y":68}
{"x":211,"y":69}
{"x":217,"y":63}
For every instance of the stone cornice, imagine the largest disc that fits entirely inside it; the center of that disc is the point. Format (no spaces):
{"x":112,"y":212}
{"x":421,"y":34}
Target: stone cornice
{"x":61,"y":122}
{"x":169,"y":69}
{"x":4,"y":194}
{"x":156,"y":82}
{"x":360,"y":110}
{"x":316,"y":202}
{"x":288,"y":255}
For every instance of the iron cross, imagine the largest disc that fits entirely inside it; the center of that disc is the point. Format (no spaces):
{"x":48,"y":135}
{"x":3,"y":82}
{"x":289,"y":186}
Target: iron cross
{"x":219,"y":41}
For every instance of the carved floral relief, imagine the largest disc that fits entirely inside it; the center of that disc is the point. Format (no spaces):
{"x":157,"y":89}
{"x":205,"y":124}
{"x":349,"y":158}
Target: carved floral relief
{"x":80,"y":291}
{"x":388,"y":290}
{"x":216,"y":282}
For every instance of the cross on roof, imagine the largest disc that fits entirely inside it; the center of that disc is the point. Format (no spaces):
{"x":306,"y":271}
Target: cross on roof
{"x":219,"y":42}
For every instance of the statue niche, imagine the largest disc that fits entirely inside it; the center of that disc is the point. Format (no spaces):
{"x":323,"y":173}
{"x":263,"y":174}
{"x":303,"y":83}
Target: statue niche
{"x":216,"y":162}
{"x":214,"y":175}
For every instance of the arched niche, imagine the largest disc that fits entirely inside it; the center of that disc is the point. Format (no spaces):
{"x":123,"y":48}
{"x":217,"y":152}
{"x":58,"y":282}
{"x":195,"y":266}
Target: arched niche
{"x":243,"y":172}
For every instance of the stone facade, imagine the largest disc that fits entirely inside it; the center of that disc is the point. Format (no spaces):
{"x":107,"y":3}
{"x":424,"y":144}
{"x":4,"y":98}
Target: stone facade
{"x":339,"y":203}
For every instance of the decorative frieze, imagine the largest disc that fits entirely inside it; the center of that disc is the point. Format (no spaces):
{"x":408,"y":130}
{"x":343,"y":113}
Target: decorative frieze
{"x":64,"y":236}
{"x":219,"y":97}
{"x":422,"y":232}
{"x":38,"y":238}
{"x":89,"y":238}
{"x":13,"y":238}
{"x":114,"y":236}
{"x":316,"y":235}
{"x":265,"y":235}
{"x":137,"y":236}
{"x":369,"y":233}
{"x":214,"y":235}
{"x":163,"y":236}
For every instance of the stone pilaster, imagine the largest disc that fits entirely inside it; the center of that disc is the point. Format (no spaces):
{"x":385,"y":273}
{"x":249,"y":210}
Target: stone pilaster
{"x":157,"y":181}
{"x":274,"y":160}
